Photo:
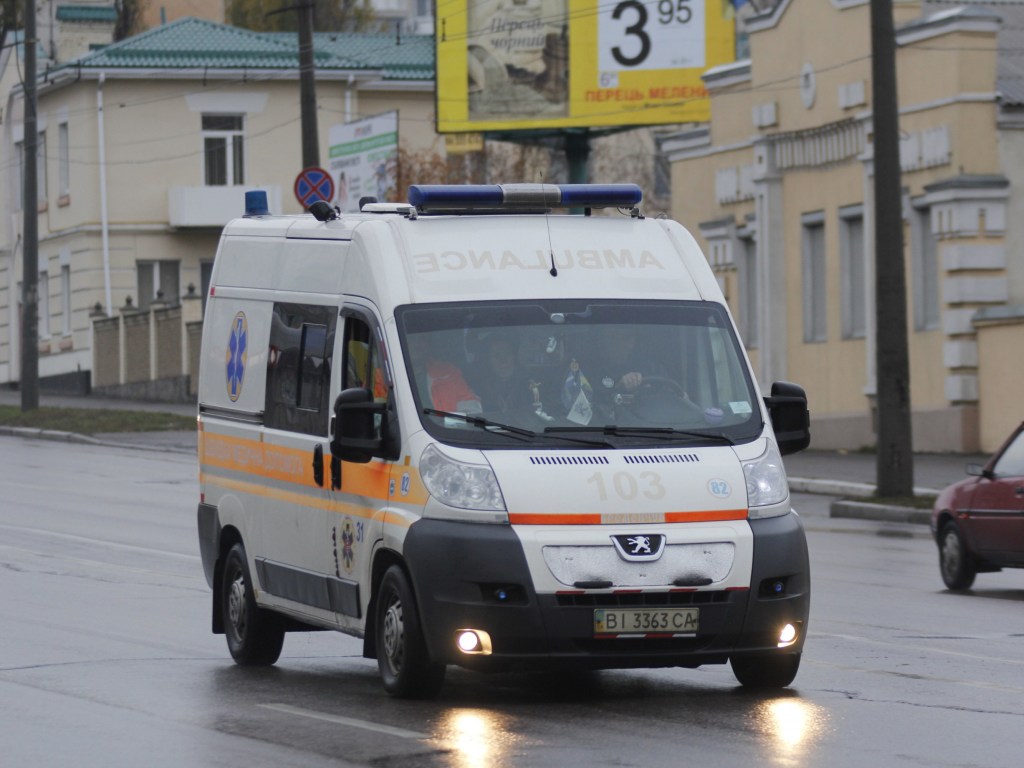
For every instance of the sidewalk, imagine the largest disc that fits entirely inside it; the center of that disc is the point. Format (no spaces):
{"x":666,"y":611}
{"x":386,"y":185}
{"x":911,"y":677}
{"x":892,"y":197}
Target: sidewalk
{"x":833,"y":473}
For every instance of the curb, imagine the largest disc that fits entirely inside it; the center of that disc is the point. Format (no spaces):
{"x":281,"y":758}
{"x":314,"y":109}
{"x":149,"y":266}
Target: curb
{"x":863,"y":510}
{"x":889,"y":513}
{"x":32,"y":433}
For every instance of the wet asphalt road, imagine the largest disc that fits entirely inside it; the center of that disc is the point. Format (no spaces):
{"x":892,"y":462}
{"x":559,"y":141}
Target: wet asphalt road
{"x":106,"y":658}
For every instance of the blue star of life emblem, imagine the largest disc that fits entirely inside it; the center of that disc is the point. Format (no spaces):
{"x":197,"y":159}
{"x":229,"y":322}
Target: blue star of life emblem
{"x":237,"y":354}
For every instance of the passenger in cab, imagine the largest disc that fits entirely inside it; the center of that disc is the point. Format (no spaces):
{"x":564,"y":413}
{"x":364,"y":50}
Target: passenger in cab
{"x":439,"y":382}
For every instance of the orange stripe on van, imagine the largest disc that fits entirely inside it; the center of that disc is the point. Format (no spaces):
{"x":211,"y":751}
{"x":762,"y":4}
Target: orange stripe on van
{"x":708,"y":516}
{"x":292,"y":465}
{"x":542,"y":519}
{"x":699,"y":516}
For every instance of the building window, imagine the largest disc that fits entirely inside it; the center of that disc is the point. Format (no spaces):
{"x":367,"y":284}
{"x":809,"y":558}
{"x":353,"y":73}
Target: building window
{"x":814,"y":277}
{"x":748,"y":292}
{"x":44,"y":305}
{"x":65,"y":299}
{"x":157,"y":279}
{"x":19,"y":151}
{"x":852,"y":272}
{"x":223,"y":150}
{"x":924,"y":260}
{"x":63,"y":164}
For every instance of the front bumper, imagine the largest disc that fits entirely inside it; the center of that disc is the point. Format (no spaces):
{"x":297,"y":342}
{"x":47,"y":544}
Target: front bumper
{"x":476,"y":576}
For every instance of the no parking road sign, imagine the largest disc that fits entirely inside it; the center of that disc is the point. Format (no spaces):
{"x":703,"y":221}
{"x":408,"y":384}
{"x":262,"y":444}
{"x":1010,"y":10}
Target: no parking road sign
{"x":313,"y":184}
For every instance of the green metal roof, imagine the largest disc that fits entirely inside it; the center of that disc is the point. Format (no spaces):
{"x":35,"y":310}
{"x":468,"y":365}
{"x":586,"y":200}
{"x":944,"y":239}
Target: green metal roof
{"x":192,"y":43}
{"x":408,"y":57}
{"x":86,"y":13}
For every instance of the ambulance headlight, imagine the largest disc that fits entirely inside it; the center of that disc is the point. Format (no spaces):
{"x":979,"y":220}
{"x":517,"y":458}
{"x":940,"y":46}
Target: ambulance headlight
{"x":466,"y":486}
{"x":766,"y":484}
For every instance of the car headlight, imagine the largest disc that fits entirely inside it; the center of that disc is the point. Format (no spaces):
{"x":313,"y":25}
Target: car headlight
{"x":466,"y":486}
{"x":766,"y":483}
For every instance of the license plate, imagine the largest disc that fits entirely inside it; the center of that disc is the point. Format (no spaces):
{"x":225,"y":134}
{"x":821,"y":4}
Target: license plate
{"x":646,"y":621}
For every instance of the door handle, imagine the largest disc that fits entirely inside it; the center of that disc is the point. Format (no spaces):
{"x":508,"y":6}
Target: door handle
{"x":318,"y":465}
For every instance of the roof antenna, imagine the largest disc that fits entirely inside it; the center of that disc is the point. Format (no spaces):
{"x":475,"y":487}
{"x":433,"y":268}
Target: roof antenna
{"x":398,"y":33}
{"x":551,"y":251}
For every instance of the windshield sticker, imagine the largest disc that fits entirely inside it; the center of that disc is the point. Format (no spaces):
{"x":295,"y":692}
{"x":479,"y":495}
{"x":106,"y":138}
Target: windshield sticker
{"x":740,"y":407}
{"x":237,"y":356}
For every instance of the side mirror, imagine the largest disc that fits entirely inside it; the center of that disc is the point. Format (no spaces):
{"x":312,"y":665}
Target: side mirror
{"x":352,"y":433}
{"x":787,"y":408}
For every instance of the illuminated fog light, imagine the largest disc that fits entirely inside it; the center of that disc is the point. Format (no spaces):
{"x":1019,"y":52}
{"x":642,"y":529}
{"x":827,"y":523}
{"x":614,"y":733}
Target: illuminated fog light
{"x":787,"y":636}
{"x":473,"y":641}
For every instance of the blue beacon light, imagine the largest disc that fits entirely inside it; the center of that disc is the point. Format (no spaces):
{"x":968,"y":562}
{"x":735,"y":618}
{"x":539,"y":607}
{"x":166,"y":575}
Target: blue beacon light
{"x":256,"y":203}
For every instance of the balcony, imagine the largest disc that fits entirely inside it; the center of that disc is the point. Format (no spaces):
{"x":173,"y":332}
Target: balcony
{"x":213,"y":206}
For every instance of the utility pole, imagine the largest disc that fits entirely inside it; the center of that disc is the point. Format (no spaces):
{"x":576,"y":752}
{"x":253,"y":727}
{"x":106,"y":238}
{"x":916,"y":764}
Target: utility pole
{"x":30,"y":229}
{"x":895,"y":459}
{"x":307,"y":87}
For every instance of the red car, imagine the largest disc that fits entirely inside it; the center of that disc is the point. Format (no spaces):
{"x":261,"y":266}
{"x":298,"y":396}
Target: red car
{"x":978,"y":522}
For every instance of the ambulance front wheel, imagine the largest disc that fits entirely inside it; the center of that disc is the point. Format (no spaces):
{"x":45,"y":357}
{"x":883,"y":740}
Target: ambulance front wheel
{"x":254,"y":635}
{"x":774,"y":671}
{"x":402,"y":656}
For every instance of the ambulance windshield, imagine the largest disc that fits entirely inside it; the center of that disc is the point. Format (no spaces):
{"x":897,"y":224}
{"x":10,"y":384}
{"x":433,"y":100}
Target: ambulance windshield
{"x":498,"y":373}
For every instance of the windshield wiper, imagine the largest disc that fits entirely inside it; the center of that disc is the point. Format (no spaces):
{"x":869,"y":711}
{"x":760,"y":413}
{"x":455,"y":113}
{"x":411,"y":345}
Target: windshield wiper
{"x":497,"y":427}
{"x":479,"y":421}
{"x":655,"y":432}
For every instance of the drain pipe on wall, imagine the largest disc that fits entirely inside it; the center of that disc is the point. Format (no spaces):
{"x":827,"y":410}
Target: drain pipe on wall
{"x":104,"y":220}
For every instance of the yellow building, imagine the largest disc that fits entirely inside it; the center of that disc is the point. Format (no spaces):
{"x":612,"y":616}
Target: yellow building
{"x":779,"y":189}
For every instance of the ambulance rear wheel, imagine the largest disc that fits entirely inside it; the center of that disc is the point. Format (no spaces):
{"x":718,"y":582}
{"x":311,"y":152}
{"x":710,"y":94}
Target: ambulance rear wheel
{"x":255,"y":636}
{"x":776,"y":671}
{"x":402,"y":656}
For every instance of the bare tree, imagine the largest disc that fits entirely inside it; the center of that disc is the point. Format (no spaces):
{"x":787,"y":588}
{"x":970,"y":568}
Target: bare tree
{"x":328,"y":15}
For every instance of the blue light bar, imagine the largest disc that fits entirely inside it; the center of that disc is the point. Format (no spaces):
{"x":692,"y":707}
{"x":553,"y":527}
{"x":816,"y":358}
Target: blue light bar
{"x":517,"y":197}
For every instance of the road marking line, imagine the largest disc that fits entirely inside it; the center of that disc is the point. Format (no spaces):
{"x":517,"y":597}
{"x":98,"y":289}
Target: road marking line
{"x":338,"y":719}
{"x":916,"y":647}
{"x":105,"y":543}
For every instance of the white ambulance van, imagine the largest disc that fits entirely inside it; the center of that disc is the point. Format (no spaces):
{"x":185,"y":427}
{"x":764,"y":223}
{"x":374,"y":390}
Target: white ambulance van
{"x":473,"y":430}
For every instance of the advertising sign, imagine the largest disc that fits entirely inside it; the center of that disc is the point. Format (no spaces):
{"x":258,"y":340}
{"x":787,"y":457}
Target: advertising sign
{"x":364,"y":160}
{"x":528,"y":64}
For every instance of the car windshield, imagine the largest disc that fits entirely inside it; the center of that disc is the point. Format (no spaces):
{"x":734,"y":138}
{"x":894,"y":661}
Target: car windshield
{"x":578,"y":372}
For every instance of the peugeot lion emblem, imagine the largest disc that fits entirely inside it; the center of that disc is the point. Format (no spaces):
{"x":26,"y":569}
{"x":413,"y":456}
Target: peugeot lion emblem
{"x":639,"y":546}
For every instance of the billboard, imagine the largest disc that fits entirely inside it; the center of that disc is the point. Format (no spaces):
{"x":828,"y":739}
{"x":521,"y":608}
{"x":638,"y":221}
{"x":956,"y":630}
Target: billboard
{"x":541,"y":64}
{"x":364,"y":160}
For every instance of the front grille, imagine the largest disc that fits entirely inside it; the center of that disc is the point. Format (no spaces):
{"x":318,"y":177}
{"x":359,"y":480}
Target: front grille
{"x":663,"y":458}
{"x":643,"y":598}
{"x":568,"y":460}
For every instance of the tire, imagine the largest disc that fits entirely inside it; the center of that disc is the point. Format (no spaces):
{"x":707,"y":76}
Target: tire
{"x":255,"y":635}
{"x":402,"y":657}
{"x":774,"y":671}
{"x":956,"y":564}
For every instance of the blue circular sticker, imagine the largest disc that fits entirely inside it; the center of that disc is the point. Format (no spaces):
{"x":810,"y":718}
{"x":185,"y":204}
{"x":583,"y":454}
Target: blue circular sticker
{"x":237,"y":355}
{"x":720,"y":488}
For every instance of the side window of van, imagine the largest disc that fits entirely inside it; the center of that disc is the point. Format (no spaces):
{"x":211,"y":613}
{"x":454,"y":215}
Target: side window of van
{"x":364,"y":361}
{"x":299,"y":368}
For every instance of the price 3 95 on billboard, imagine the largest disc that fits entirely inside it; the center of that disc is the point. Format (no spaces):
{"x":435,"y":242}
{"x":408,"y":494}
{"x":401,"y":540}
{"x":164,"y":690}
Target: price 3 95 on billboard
{"x":503,"y":65}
